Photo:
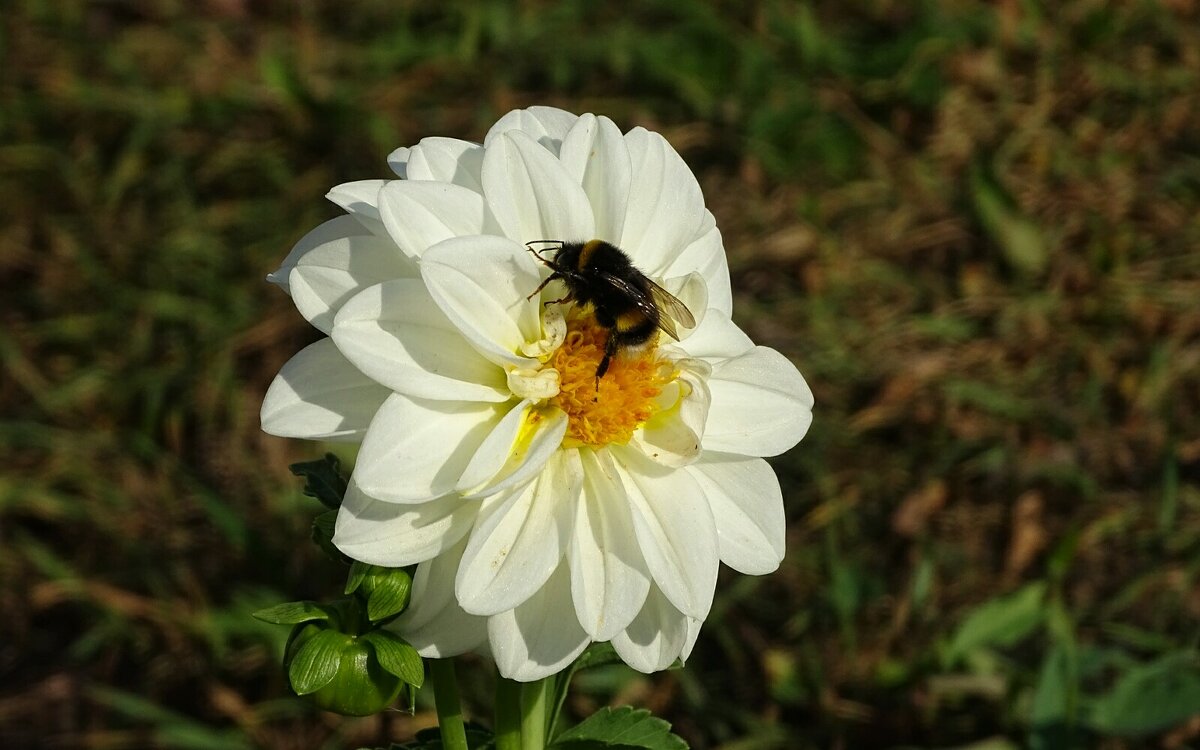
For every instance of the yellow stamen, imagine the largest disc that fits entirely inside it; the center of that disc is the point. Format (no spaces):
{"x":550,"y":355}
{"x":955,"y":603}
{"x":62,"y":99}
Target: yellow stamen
{"x":626,"y":394}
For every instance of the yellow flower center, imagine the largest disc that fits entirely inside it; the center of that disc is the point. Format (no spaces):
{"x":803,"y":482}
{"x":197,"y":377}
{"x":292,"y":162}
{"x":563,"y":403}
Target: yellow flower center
{"x":625,"y":397}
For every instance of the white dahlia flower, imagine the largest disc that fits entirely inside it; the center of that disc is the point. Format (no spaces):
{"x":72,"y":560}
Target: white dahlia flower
{"x":544,"y":508}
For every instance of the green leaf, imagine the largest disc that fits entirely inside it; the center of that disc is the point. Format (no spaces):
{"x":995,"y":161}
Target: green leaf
{"x":622,"y":727}
{"x":1003,"y":621}
{"x":358,"y":574}
{"x":1051,"y":717}
{"x":397,"y":656}
{"x":1151,"y":697}
{"x":316,"y":664}
{"x":597,"y":655}
{"x":323,"y":480}
{"x":293,"y":613}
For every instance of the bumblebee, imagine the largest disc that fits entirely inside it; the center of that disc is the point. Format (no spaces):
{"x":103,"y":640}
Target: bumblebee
{"x":626,"y":302}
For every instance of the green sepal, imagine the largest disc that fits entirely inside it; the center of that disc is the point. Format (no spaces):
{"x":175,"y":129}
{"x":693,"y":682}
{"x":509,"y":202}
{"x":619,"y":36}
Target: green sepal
{"x":338,"y":671}
{"x":621,"y":728}
{"x":294,"y":613}
{"x":322,"y":535}
{"x":397,"y":657}
{"x":323,"y":480}
{"x":316,"y":661}
{"x":386,"y":590}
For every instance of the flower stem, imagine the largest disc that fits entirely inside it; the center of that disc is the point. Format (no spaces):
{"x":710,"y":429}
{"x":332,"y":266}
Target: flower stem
{"x":508,"y":714}
{"x":449,"y":710}
{"x":533,"y":715}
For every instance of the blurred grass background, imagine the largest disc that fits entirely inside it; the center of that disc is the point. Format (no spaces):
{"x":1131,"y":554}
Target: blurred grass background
{"x":973,"y":225}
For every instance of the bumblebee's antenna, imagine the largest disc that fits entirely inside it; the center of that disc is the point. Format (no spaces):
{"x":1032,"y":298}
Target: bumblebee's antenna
{"x":538,"y":253}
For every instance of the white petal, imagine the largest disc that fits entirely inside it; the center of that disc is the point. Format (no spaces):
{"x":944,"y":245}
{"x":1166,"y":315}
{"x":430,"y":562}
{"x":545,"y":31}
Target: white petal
{"x":319,"y":395}
{"x":546,"y":125}
{"x":416,"y":449}
{"x":531,"y":194}
{"x":717,"y":338}
{"x":334,"y":229}
{"x":666,"y":206}
{"x":540,"y":637}
{"x":609,"y":581}
{"x":395,"y":333}
{"x":541,"y":437}
{"x":481,"y":284}
{"x":747,"y":505}
{"x":447,"y":160}
{"x":595,"y":155}
{"x":495,"y":449}
{"x":334,"y":272}
{"x":672,"y":437}
{"x":706,"y":256}
{"x":360,"y":199}
{"x":420,"y":214}
{"x":653,"y":640}
{"x":519,"y":539}
{"x":675,"y":530}
{"x":434,"y":623}
{"x":693,"y":632}
{"x":691,"y":290}
{"x":761,"y":406}
{"x":383,"y":533}
{"x":398,"y":161}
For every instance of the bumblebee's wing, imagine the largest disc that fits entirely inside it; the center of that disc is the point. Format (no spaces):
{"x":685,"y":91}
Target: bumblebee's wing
{"x":667,"y":306}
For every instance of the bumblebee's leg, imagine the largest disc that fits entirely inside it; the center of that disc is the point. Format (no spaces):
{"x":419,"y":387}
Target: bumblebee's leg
{"x":542,"y":286}
{"x":610,"y":349}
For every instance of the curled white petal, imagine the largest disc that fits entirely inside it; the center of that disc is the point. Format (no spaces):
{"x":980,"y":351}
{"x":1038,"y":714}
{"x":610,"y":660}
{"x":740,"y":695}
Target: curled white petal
{"x":595,"y":155}
{"x":329,"y":275}
{"x":416,"y":449}
{"x":706,"y":256}
{"x":334,"y":229}
{"x":319,"y":395}
{"x":546,"y":125}
{"x":519,"y":539}
{"x":747,"y":505}
{"x":394,"y":333}
{"x":665,"y":206}
{"x":672,"y":436}
{"x":761,"y":405}
{"x":531,"y":194}
{"x":609,"y":581}
{"x":383,"y":533}
{"x":447,"y":160}
{"x":434,"y":624}
{"x":655,"y":638}
{"x":360,"y":199}
{"x":481,"y":284}
{"x":717,"y":338}
{"x":540,"y":637}
{"x":675,"y":530}
{"x":398,"y":161}
{"x":419,"y":214}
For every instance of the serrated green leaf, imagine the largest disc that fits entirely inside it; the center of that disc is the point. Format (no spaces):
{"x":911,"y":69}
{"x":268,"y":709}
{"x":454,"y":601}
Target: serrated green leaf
{"x":397,"y":656}
{"x":316,"y":664}
{"x":1150,"y":698}
{"x":323,"y":480}
{"x":621,"y":727}
{"x":292,"y":613}
{"x":1003,"y":621}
